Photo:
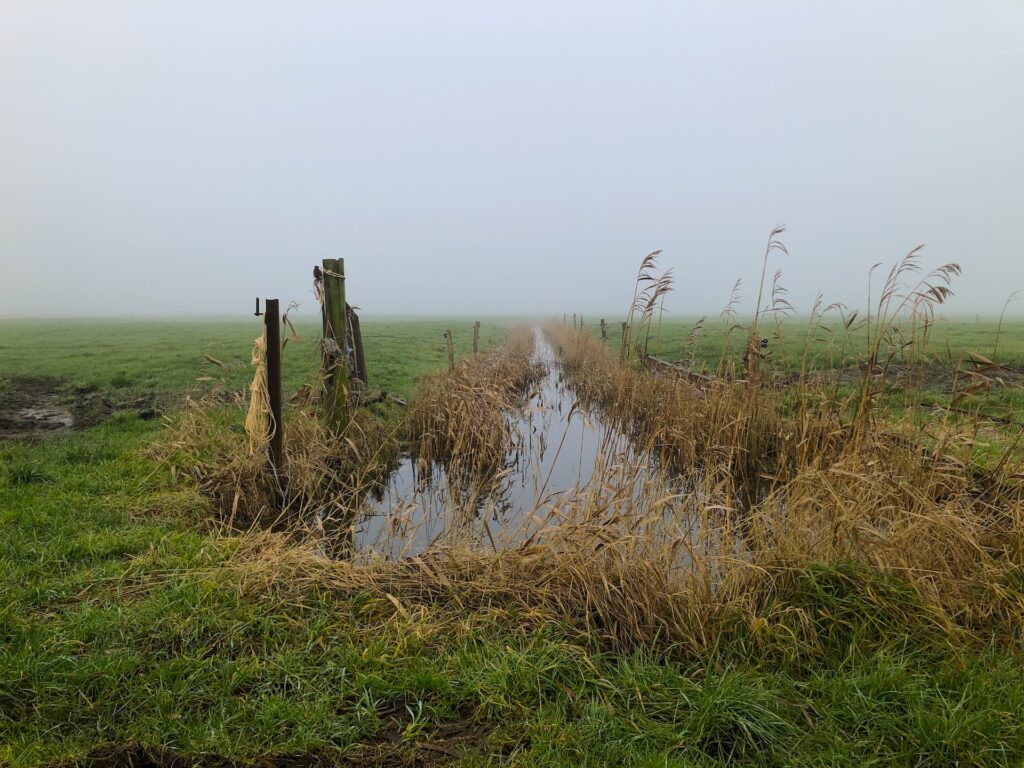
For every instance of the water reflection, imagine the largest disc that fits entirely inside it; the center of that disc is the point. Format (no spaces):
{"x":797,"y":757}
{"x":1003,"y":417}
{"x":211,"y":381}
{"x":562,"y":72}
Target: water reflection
{"x":565,"y":463}
{"x":557,"y":448}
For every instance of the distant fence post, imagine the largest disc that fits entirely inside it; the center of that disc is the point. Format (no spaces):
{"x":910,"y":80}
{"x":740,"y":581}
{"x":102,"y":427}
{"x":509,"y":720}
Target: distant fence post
{"x":604,"y":330}
{"x":476,"y":337}
{"x":272,"y":321}
{"x":335,"y":343}
{"x":622,"y":344}
{"x":451,"y":350}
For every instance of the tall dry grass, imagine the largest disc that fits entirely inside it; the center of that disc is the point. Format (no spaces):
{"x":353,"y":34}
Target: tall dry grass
{"x":716,"y":517}
{"x":724,"y":500}
{"x":465,"y":419}
{"x":325,"y":475}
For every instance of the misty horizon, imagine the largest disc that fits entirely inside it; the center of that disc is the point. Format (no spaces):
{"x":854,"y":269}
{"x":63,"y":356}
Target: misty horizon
{"x":162,"y":160}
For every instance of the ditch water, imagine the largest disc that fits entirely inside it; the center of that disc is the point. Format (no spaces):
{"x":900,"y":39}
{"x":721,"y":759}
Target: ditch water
{"x":558,"y":449}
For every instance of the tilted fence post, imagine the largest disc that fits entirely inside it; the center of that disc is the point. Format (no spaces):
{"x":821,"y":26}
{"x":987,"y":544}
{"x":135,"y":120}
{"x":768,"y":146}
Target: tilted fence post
{"x":357,"y":346}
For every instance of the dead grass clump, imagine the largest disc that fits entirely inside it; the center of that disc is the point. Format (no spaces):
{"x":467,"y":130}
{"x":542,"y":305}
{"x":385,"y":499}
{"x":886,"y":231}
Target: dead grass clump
{"x":718,"y":425}
{"x":596,"y":590}
{"x":325,"y":474}
{"x":464,"y":419}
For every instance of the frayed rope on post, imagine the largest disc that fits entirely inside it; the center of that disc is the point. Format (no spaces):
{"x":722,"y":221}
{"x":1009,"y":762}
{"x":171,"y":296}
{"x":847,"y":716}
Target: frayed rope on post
{"x":258,"y":420}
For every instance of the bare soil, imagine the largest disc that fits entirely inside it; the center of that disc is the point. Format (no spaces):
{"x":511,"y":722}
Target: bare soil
{"x":39,"y":406}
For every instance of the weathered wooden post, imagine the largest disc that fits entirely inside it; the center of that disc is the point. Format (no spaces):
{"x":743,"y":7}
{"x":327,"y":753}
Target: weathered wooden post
{"x":451,"y":350}
{"x":622,"y":344}
{"x":476,"y":337}
{"x":272,"y":321}
{"x":604,"y":330}
{"x":335,"y":343}
{"x":357,"y":346}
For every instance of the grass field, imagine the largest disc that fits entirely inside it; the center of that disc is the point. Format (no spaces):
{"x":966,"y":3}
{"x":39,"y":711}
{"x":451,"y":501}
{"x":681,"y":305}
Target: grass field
{"x":168,"y":356}
{"x":125,"y":629}
{"x":827,"y":346}
{"x":950,"y":340}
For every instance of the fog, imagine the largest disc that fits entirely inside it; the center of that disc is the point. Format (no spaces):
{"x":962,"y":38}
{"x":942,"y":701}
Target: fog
{"x":181,"y":158}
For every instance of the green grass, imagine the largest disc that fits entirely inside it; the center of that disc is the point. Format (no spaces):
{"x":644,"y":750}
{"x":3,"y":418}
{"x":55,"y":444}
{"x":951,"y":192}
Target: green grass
{"x":167,"y":356}
{"x":117,"y":629}
{"x":828,"y":347}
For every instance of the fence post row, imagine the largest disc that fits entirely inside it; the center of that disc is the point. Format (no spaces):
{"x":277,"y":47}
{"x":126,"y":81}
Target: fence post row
{"x":335,"y":343}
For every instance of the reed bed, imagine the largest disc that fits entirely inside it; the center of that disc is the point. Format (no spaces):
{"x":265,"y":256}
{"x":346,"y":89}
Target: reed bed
{"x":461,"y":419}
{"x":641,"y":558}
{"x":464,"y":419}
{"x":756,"y":501}
{"x":326,"y":473}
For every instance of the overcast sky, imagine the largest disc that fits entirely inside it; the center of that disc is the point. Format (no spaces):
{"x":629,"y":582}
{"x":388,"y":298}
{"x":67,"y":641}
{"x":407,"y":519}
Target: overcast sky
{"x":518,"y":157}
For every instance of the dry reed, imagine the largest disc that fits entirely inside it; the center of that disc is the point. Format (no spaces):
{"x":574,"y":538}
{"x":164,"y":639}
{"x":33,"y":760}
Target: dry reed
{"x":464,"y":419}
{"x":730,"y":492}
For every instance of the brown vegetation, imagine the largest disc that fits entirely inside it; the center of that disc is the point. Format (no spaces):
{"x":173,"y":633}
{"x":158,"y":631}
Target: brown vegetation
{"x":726,"y":497}
{"x":464,"y":419}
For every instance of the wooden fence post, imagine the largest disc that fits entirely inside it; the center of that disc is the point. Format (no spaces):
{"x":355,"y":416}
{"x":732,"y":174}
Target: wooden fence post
{"x":476,"y":337}
{"x":335,"y":342}
{"x":622,"y":344}
{"x":272,"y":321}
{"x":451,"y":350}
{"x":357,"y":346}
{"x":604,"y":330}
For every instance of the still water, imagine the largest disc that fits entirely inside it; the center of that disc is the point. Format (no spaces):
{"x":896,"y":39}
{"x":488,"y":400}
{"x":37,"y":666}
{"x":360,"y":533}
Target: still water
{"x":558,"y":448}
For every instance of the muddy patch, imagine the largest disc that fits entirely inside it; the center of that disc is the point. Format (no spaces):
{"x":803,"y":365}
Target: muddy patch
{"x":40,"y":406}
